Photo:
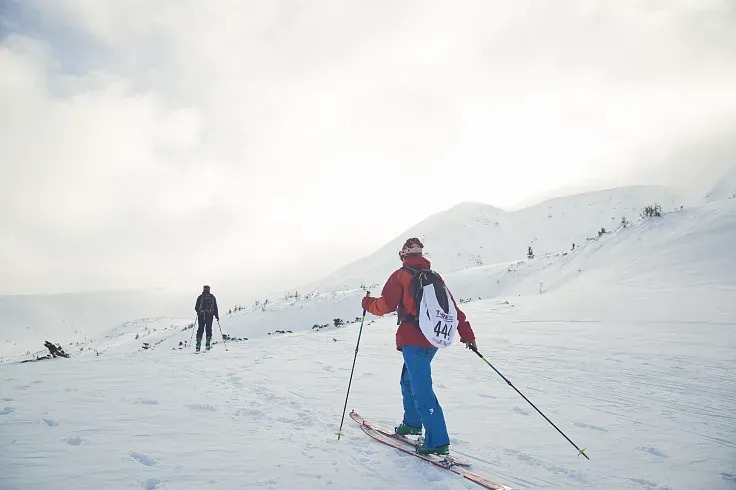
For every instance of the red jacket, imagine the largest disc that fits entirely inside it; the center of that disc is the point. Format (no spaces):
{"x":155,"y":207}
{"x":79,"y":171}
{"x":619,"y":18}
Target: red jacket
{"x":396,"y":289}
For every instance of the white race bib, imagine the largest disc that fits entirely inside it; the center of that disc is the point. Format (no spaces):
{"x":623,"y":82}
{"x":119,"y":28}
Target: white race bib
{"x":436,"y":325}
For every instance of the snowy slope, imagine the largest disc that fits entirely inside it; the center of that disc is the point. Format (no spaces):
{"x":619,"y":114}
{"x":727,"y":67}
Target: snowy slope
{"x":725,"y":188}
{"x":649,"y":253}
{"x":29,"y":320}
{"x":473,"y":234}
{"x":651,"y":400}
{"x":550,"y":227}
{"x":691,"y":247}
{"x":627,"y":346}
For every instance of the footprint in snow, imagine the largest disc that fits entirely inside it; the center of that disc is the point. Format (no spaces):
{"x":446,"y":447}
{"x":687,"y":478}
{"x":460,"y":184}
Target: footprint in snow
{"x":520,"y":411}
{"x":305,"y":418}
{"x":74,"y":440}
{"x":249,"y":412}
{"x":592,"y":427}
{"x":728,"y":476}
{"x":645,"y":483}
{"x":531,"y":460}
{"x":482,"y":395}
{"x":142,"y":458}
{"x":151,"y":484}
{"x":652,"y":450}
{"x":145,"y":401}
{"x":50,"y":422}
{"x":6,"y":399}
{"x":6,"y":410}
{"x":201,"y":406}
{"x":264,"y":483}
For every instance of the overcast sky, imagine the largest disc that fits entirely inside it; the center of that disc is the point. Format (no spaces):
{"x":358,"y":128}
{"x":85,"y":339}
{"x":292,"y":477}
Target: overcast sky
{"x":176,"y":142}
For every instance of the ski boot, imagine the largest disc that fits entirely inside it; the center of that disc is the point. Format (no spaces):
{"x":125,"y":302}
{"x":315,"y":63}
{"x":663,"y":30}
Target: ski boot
{"x":439,"y":450}
{"x":408,"y":430}
{"x":198,"y":346}
{"x":207,"y":345}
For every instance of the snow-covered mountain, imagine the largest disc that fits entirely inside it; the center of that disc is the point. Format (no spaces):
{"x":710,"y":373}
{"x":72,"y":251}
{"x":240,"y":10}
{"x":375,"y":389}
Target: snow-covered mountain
{"x":686,"y":248}
{"x":725,"y":188}
{"x":625,"y":343}
{"x":473,"y":234}
{"x":472,"y":240}
{"x":468,"y":235}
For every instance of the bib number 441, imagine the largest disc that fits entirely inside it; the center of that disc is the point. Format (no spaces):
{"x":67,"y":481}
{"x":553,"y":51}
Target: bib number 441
{"x":443,"y":330}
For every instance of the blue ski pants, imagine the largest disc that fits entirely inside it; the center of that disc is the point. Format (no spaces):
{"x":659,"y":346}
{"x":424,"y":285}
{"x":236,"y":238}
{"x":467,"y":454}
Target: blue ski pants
{"x":421,"y":407}
{"x":205,"y":321}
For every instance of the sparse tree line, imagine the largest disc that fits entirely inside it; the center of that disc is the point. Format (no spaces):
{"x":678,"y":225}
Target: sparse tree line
{"x":337,"y":323}
{"x":649,"y":211}
{"x":262,"y":305}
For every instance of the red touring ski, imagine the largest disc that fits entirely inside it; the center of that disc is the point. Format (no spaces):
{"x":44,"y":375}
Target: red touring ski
{"x":408,"y":446}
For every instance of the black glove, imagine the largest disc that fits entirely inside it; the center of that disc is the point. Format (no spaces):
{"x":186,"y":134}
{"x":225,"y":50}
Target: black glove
{"x":471,"y":345}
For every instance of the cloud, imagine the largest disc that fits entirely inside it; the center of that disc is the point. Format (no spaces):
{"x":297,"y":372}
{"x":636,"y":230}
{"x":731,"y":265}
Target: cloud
{"x":179,"y":142}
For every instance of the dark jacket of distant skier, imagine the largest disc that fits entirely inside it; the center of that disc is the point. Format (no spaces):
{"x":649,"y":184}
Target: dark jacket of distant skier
{"x":206,"y":308}
{"x":421,"y":407}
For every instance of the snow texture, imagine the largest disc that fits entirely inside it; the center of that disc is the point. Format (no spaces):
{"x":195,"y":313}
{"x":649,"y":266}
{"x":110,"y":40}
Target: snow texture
{"x":725,"y":188}
{"x":626,"y":343}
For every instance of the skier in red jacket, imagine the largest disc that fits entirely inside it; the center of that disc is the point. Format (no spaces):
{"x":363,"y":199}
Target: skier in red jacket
{"x":421,"y":407}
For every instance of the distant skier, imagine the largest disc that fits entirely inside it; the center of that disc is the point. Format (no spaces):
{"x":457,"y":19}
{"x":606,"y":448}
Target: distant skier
{"x":421,"y":407}
{"x":206,"y":308}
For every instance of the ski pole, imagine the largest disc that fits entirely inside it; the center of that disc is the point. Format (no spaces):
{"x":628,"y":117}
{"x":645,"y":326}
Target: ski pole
{"x":580,"y":451}
{"x":339,"y":432}
{"x":223,"y":337}
{"x":193,"y":325}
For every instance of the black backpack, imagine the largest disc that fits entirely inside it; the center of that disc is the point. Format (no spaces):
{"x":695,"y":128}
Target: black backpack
{"x":437,"y":317}
{"x":422,"y":278}
{"x":207,"y":303}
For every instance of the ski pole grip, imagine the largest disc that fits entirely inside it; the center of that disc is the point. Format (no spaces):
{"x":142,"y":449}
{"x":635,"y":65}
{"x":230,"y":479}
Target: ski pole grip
{"x":367,"y":293}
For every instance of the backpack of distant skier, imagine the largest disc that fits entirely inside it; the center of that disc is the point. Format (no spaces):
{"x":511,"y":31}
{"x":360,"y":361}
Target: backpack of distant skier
{"x":436,"y":313}
{"x":207,"y":303}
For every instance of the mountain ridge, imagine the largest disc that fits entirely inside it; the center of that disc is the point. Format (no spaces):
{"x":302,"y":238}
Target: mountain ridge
{"x":502,"y":236}
{"x":725,"y":187}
